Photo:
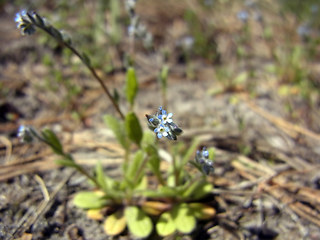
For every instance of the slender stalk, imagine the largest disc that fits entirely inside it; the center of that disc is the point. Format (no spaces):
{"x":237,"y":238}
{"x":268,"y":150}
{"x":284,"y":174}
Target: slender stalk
{"x":175,"y":171}
{"x":91,"y":69}
{"x":84,"y":172}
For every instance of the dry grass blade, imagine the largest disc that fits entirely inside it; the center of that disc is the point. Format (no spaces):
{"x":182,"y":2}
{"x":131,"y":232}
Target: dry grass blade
{"x":31,"y":217}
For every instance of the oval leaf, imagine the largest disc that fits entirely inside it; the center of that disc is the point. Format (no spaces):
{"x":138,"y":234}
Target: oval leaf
{"x":131,"y":85}
{"x":202,"y":191}
{"x":66,"y":163}
{"x":89,"y":200}
{"x":139,"y":224}
{"x":155,"y":207}
{"x":183,"y":218}
{"x":52,"y":139}
{"x":117,"y":128}
{"x":95,"y":214}
{"x":133,"y":128}
{"x":100,"y":177}
{"x":115,"y":223}
{"x":165,"y":225}
{"x":135,"y":166}
{"x":202,"y":211}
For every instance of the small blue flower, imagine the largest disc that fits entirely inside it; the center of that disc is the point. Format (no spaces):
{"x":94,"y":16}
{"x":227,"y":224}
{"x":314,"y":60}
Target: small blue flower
{"x":243,"y":15}
{"x":161,"y":131}
{"x":205,"y":153}
{"x":25,"y":134}
{"x":202,"y":158}
{"x":304,"y":30}
{"x":24,"y":23}
{"x":164,"y":117}
{"x":162,"y":124}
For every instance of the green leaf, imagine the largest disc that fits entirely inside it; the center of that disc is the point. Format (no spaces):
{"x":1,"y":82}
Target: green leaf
{"x":155,"y":208}
{"x":89,"y":200}
{"x":114,"y":195}
{"x":142,"y":184}
{"x":135,"y":166}
{"x":55,"y":33}
{"x":202,"y":191}
{"x":131,"y":85}
{"x":164,"y":77}
{"x":154,"y":159}
{"x":133,"y":128}
{"x":67,"y":163}
{"x":100,"y":177}
{"x":148,"y":139}
{"x":51,"y":138}
{"x":118,"y":129}
{"x":139,"y":224}
{"x":165,"y":225}
{"x":202,"y":211}
{"x":211,"y":151}
{"x":169,"y":191}
{"x":190,"y":151}
{"x":115,"y":223}
{"x":116,"y":95}
{"x":191,"y":189}
{"x":86,"y":60}
{"x":183,"y":219}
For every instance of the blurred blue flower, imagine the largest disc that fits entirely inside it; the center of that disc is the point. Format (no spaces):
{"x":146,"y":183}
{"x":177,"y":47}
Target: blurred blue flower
{"x":24,"y":23}
{"x":202,"y":158}
{"x":304,"y":30}
{"x":243,"y":15}
{"x":25,"y":134}
{"x":314,"y":8}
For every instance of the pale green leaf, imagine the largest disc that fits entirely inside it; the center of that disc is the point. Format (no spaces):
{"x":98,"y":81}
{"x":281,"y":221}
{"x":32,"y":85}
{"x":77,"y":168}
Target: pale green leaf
{"x":66,"y":163}
{"x":135,"y":167}
{"x":51,"y":138}
{"x":118,"y":129}
{"x":183,"y":219}
{"x":165,"y":225}
{"x":100,"y":177}
{"x":202,"y":191}
{"x":139,"y":224}
{"x":89,"y":200}
{"x":202,"y":211}
{"x":131,"y":85}
{"x":133,"y":128}
{"x":190,"y":151}
{"x":115,"y":223}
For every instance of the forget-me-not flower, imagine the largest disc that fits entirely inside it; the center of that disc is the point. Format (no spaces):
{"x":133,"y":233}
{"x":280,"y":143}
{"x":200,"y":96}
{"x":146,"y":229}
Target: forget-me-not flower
{"x":162,"y":124}
{"x":24,"y":23}
{"x":25,"y":134}
{"x":161,"y":131}
{"x":202,"y":158}
{"x":164,"y":117}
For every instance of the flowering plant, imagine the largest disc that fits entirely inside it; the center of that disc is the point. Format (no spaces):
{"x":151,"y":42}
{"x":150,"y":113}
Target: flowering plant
{"x":171,"y":204}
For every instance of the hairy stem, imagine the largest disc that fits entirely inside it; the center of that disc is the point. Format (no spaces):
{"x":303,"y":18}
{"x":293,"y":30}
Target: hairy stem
{"x":91,"y":69}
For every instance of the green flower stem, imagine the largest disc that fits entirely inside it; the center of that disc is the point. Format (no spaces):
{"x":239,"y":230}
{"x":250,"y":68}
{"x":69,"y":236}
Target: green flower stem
{"x":93,"y":72}
{"x":66,"y":156}
{"x":164,"y":98}
{"x":175,"y":170}
{"x":85,"y":173}
{"x":126,"y":160}
{"x":81,"y":169}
